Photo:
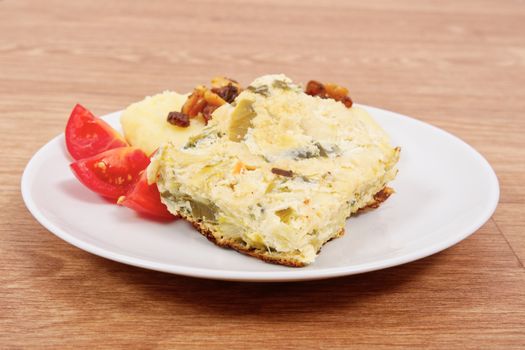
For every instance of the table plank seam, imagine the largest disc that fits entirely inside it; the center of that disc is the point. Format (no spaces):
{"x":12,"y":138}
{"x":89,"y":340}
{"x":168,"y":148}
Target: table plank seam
{"x":508,"y":243}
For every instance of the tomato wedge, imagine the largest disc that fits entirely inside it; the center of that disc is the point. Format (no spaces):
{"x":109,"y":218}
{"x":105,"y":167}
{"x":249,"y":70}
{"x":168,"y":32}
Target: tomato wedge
{"x":145,"y":199}
{"x":112,"y":173}
{"x":87,"y":135}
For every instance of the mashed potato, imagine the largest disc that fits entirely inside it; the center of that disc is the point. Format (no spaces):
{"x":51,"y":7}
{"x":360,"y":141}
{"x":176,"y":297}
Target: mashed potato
{"x":145,"y":125}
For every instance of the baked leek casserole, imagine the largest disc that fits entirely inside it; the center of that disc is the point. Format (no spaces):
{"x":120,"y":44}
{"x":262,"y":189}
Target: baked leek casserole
{"x":276,"y":172}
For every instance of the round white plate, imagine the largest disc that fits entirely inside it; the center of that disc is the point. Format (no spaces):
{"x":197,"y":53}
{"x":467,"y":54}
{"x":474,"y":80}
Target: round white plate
{"x":445,"y":191}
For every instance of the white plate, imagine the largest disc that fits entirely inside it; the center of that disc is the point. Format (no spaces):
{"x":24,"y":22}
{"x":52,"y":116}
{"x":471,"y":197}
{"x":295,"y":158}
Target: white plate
{"x":445,"y":191}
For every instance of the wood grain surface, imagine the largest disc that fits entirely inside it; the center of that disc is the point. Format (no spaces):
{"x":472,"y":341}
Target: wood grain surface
{"x":459,"y":65}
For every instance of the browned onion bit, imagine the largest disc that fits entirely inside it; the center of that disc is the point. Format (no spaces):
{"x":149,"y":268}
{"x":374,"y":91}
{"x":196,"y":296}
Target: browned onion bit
{"x":203,"y":101}
{"x":282,"y":172}
{"x":179,"y":119}
{"x":315,"y":88}
{"x":228,"y":93}
{"x":207,"y":111}
{"x":329,"y":90}
{"x":347,"y":101}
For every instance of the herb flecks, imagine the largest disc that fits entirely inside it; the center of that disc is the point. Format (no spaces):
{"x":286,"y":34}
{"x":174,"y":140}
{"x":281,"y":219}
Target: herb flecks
{"x":316,"y":151}
{"x":261,"y":90}
{"x":306,"y":154}
{"x":281,"y":84}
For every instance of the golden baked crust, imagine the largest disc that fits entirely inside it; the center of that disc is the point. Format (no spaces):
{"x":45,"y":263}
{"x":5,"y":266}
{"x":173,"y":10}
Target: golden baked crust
{"x":276,"y":257}
{"x":267,"y":256}
{"x":379,"y":198}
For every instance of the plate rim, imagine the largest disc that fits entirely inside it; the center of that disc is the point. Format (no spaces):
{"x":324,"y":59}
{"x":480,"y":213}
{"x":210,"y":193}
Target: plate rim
{"x":294,"y":274}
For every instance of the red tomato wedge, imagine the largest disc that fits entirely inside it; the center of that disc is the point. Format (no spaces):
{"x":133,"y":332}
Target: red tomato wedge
{"x":145,"y":199}
{"x":111,"y":173}
{"x":87,"y":135}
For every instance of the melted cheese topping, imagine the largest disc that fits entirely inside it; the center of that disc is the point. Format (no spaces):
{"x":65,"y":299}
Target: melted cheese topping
{"x":232,"y":176}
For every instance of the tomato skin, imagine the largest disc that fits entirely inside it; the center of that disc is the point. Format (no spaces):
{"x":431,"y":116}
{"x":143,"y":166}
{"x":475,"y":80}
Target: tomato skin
{"x":145,"y":199}
{"x":87,"y":135}
{"x":112,"y":173}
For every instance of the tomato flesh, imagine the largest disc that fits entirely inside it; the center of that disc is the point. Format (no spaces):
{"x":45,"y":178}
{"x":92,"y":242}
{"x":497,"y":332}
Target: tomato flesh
{"x":87,"y":135}
{"x":112,"y":173}
{"x":145,"y":199}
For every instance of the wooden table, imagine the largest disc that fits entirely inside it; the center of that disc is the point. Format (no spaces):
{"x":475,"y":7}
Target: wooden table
{"x":457,"y":65}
